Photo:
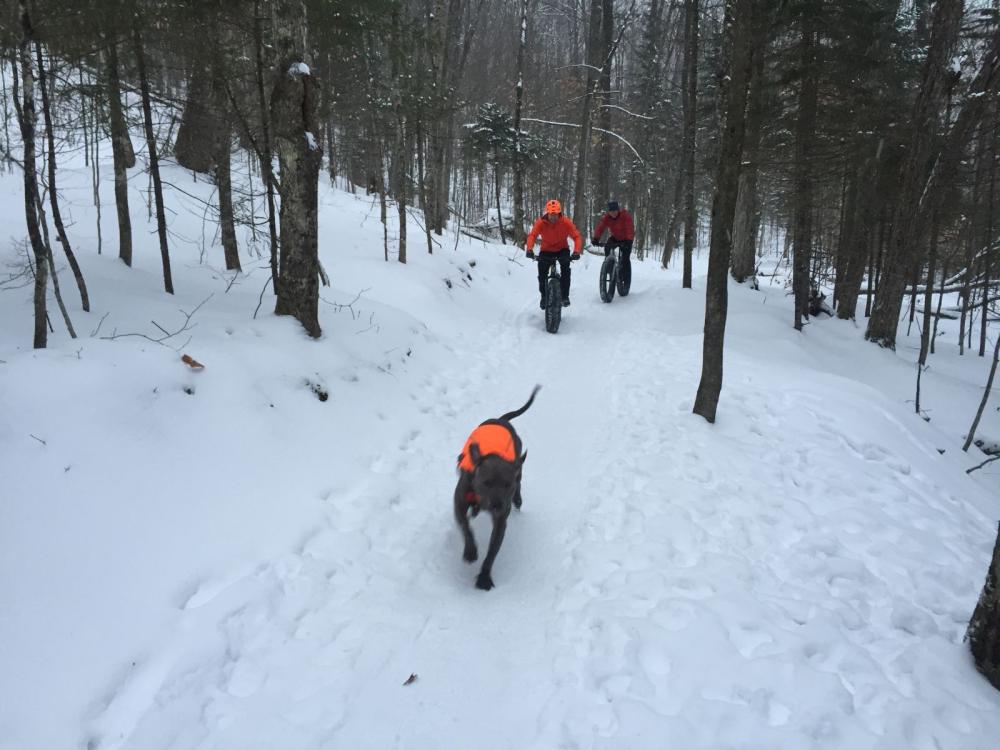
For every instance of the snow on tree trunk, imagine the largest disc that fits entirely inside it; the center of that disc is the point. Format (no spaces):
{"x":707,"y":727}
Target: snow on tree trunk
{"x":984,"y":627}
{"x":294,"y":123}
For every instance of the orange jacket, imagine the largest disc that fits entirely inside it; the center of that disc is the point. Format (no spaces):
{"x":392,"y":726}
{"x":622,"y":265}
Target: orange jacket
{"x":555,"y":237}
{"x":493,"y":440}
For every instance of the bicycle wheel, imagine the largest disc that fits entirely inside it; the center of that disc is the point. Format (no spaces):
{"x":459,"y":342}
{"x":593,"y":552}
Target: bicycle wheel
{"x":607,"y":279}
{"x":624,"y":281}
{"x":553,"y":304}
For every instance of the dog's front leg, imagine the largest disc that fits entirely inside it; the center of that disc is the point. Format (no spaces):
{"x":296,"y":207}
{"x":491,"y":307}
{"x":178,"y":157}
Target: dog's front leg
{"x":464,"y":486}
{"x":485,"y":581}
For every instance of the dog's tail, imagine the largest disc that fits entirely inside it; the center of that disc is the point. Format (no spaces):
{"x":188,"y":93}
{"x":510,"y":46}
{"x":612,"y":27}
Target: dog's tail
{"x":511,"y":414}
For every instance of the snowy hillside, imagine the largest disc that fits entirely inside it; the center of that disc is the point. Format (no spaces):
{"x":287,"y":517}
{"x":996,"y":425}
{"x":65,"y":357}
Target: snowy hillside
{"x":221,"y":559}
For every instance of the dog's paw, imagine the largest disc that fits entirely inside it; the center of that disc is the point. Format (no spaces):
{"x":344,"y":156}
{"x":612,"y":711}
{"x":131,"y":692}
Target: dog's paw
{"x":484,"y":581}
{"x":470,"y":554}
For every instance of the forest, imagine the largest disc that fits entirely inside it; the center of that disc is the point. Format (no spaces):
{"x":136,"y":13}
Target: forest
{"x":844,"y":150}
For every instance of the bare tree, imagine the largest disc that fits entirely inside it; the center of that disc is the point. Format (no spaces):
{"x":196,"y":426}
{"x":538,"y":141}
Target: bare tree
{"x":28,"y":120}
{"x":293,"y":117}
{"x":121,"y":147}
{"x":738,"y":40}
{"x":518,"y":149}
{"x":805,"y":136}
{"x":53,"y":191}
{"x":154,"y":164}
{"x":580,"y":213}
{"x":908,"y":222}
{"x":689,"y":145}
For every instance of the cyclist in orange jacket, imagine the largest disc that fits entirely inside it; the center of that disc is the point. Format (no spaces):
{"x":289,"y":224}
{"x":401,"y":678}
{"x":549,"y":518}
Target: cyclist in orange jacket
{"x":554,"y":230}
{"x":621,"y":231}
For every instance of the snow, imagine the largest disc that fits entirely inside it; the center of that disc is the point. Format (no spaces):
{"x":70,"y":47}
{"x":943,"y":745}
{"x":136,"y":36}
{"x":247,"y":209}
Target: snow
{"x":299,"y":69}
{"x":218,"y":559}
{"x":311,"y":141}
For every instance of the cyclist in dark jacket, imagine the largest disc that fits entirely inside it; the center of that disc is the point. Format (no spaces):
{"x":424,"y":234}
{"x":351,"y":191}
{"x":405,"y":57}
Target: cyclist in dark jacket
{"x":619,"y":224}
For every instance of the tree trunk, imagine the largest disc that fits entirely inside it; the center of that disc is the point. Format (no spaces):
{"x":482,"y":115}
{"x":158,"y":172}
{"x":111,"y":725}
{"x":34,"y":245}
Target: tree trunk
{"x":293,"y":117}
{"x":739,"y":41}
{"x":580,"y":213}
{"x":95,"y":171}
{"x":124,"y":155}
{"x":747,"y":220}
{"x":986,"y":397}
{"x":689,"y":145}
{"x":195,"y":146}
{"x":984,"y":627}
{"x":154,"y":164}
{"x":856,"y":238}
{"x":496,"y":182}
{"x":519,"y":235}
{"x":937,"y":315}
{"x":423,"y":186}
{"x":604,"y":188}
{"x":223,"y":181}
{"x":805,"y":136}
{"x":925,"y":331}
{"x":81,"y":285}
{"x":402,"y":184}
{"x":28,"y":122}
{"x":266,"y":156}
{"x":670,"y":238}
{"x":988,"y":254}
{"x":964,"y":295}
{"x":909,"y":222}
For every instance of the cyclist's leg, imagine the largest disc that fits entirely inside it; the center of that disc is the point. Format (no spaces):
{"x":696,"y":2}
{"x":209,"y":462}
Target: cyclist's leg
{"x":626,"y":262}
{"x":564,"y":272}
{"x":544,"y":261}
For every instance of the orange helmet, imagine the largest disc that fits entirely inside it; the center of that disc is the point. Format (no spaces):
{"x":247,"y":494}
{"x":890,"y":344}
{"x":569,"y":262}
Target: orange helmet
{"x":553,"y":207}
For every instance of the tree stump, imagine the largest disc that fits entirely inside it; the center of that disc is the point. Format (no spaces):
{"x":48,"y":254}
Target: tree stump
{"x":984,"y":627}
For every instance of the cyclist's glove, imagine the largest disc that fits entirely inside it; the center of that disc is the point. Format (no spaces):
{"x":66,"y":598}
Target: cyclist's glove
{"x":575,"y":256}
{"x":596,"y":243}
{"x":531,"y":255}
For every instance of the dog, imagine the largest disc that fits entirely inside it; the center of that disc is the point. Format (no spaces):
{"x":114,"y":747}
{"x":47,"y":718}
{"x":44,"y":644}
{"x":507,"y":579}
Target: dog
{"x":489,"y":479}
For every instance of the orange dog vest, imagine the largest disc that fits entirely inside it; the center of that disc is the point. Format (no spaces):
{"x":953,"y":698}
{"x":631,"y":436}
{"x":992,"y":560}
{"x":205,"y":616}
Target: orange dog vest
{"x":493,"y":440}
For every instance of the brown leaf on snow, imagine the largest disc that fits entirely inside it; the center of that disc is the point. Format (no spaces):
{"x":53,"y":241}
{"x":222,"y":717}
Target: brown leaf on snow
{"x":410,"y":680}
{"x":192,"y":362}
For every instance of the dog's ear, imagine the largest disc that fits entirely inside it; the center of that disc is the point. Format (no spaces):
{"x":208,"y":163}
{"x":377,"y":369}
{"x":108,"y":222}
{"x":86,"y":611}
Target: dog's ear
{"x":522,"y":458}
{"x":474,"y":454}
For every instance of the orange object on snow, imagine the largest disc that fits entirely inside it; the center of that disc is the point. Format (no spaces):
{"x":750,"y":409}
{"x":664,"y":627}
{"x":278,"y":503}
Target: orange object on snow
{"x":192,"y":363}
{"x":493,"y":440}
{"x":555,"y":235}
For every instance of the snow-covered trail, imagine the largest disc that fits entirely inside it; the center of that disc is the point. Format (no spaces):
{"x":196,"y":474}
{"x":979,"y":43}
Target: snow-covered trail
{"x":667,"y":584}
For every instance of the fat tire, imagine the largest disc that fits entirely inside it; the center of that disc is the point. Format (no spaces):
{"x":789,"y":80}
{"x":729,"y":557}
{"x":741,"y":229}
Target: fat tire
{"x":608,"y":278}
{"x":553,"y":304}
{"x":623,"y":283}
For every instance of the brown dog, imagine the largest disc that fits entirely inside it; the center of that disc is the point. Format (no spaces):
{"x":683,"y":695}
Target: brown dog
{"x":489,"y":479}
